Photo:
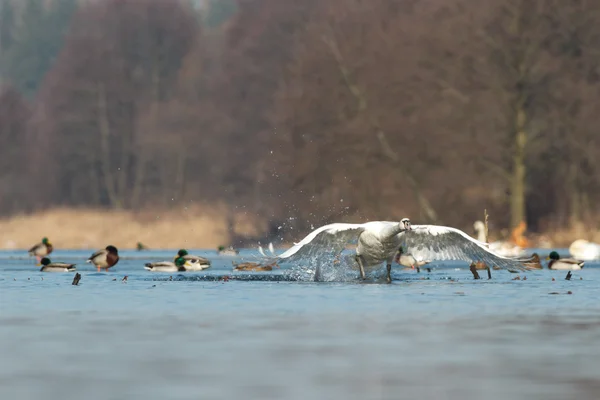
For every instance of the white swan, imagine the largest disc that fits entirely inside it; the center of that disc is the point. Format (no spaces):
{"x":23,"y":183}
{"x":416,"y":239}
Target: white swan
{"x":379,"y":241}
{"x":583,"y":250}
{"x":501,"y":247}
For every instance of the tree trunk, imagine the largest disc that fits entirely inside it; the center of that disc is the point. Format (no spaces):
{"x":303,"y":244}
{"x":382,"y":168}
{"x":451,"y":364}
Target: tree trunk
{"x":518,"y":184}
{"x":105,"y":159}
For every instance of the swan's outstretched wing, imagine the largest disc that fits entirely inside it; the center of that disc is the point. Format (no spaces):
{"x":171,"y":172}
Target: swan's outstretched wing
{"x":327,"y":240}
{"x":433,"y":242}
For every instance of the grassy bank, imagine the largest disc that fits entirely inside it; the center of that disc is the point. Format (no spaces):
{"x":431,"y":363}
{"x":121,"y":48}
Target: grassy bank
{"x":90,"y":228}
{"x":188,"y":227}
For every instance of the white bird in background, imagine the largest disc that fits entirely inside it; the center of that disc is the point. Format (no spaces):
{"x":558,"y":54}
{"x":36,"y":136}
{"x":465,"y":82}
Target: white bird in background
{"x":379,"y":241}
{"x":584,"y":250}
{"x":501,"y":247}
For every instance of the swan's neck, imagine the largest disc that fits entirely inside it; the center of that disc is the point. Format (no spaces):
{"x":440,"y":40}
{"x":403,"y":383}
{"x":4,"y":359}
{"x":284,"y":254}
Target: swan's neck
{"x":391,"y":231}
{"x":481,"y":235}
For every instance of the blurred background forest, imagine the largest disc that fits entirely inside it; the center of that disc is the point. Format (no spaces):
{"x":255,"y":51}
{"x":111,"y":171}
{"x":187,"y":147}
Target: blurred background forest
{"x":297,"y":113}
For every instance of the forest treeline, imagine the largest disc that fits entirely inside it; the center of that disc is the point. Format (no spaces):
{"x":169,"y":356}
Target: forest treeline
{"x":304,"y":112}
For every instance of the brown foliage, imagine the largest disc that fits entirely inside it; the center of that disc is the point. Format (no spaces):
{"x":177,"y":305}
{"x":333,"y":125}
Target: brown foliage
{"x":14,"y":154}
{"x":119,"y":64}
{"x":316,"y":111}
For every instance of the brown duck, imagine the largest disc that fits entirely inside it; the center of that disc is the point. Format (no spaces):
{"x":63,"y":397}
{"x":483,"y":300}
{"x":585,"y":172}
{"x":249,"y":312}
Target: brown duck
{"x":105,"y":258}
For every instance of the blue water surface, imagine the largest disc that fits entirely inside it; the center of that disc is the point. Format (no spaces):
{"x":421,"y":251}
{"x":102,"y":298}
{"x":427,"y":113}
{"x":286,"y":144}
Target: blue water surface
{"x":265,"y":335}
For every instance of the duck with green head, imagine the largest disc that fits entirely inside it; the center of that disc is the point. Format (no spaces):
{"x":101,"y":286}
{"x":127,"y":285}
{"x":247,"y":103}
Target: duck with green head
{"x":41,"y":249}
{"x":167,"y":266}
{"x":192,"y":263}
{"x":563,"y":264}
{"x":105,"y":258}
{"x":49,"y":266}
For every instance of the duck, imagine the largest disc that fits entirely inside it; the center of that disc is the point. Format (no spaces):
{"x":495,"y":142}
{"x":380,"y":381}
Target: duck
{"x":192,"y":263}
{"x":500,"y":247}
{"x":563,"y":264}
{"x":49,"y":266}
{"x":141,"y":246}
{"x":41,"y":249}
{"x":534,"y":263}
{"x":584,"y":250}
{"x":252,"y":266}
{"x":167,"y":266}
{"x":105,"y":258}
{"x":407,"y":260}
{"x":479,"y":266}
{"x":230,"y":251}
{"x":378,"y":242}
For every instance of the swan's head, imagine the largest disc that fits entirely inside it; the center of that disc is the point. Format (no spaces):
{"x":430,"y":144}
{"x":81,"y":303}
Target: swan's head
{"x":478,"y":226}
{"x":405,"y":223}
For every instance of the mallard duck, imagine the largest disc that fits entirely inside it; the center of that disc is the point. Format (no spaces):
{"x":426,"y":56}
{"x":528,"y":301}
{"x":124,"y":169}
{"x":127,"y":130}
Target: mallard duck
{"x":408,"y":260}
{"x":584,"y":250}
{"x":105,"y":258}
{"x":251,"y":266}
{"x":41,"y":249}
{"x":141,"y":246}
{"x":230,"y":251}
{"x":167,"y":266}
{"x":479,"y":265}
{"x":192,"y":263}
{"x":534,"y":263}
{"x":563,"y":264}
{"x":49,"y":266}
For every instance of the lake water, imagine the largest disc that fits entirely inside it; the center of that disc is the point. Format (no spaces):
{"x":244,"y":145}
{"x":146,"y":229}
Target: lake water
{"x":438,"y":335}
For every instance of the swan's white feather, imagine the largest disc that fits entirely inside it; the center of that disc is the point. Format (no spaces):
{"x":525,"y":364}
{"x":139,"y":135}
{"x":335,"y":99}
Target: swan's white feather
{"x":332,"y":239}
{"x":439,"y":243}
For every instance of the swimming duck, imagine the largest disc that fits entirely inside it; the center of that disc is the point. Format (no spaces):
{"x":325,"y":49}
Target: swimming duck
{"x":408,"y":260}
{"x":49,"y":266}
{"x":230,"y":251}
{"x":141,"y":246}
{"x":41,"y":249}
{"x":563,"y":263}
{"x":584,"y":250}
{"x":167,"y":266}
{"x":105,"y":258}
{"x":251,"y":266}
{"x":192,"y":263}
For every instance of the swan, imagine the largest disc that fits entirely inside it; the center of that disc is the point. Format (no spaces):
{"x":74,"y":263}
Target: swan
{"x":379,"y":241}
{"x":501,"y":247}
{"x":584,"y":250}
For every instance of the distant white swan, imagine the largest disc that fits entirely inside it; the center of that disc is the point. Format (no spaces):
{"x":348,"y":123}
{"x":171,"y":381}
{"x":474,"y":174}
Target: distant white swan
{"x":379,"y":241}
{"x":501,"y":247}
{"x":584,"y":250}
